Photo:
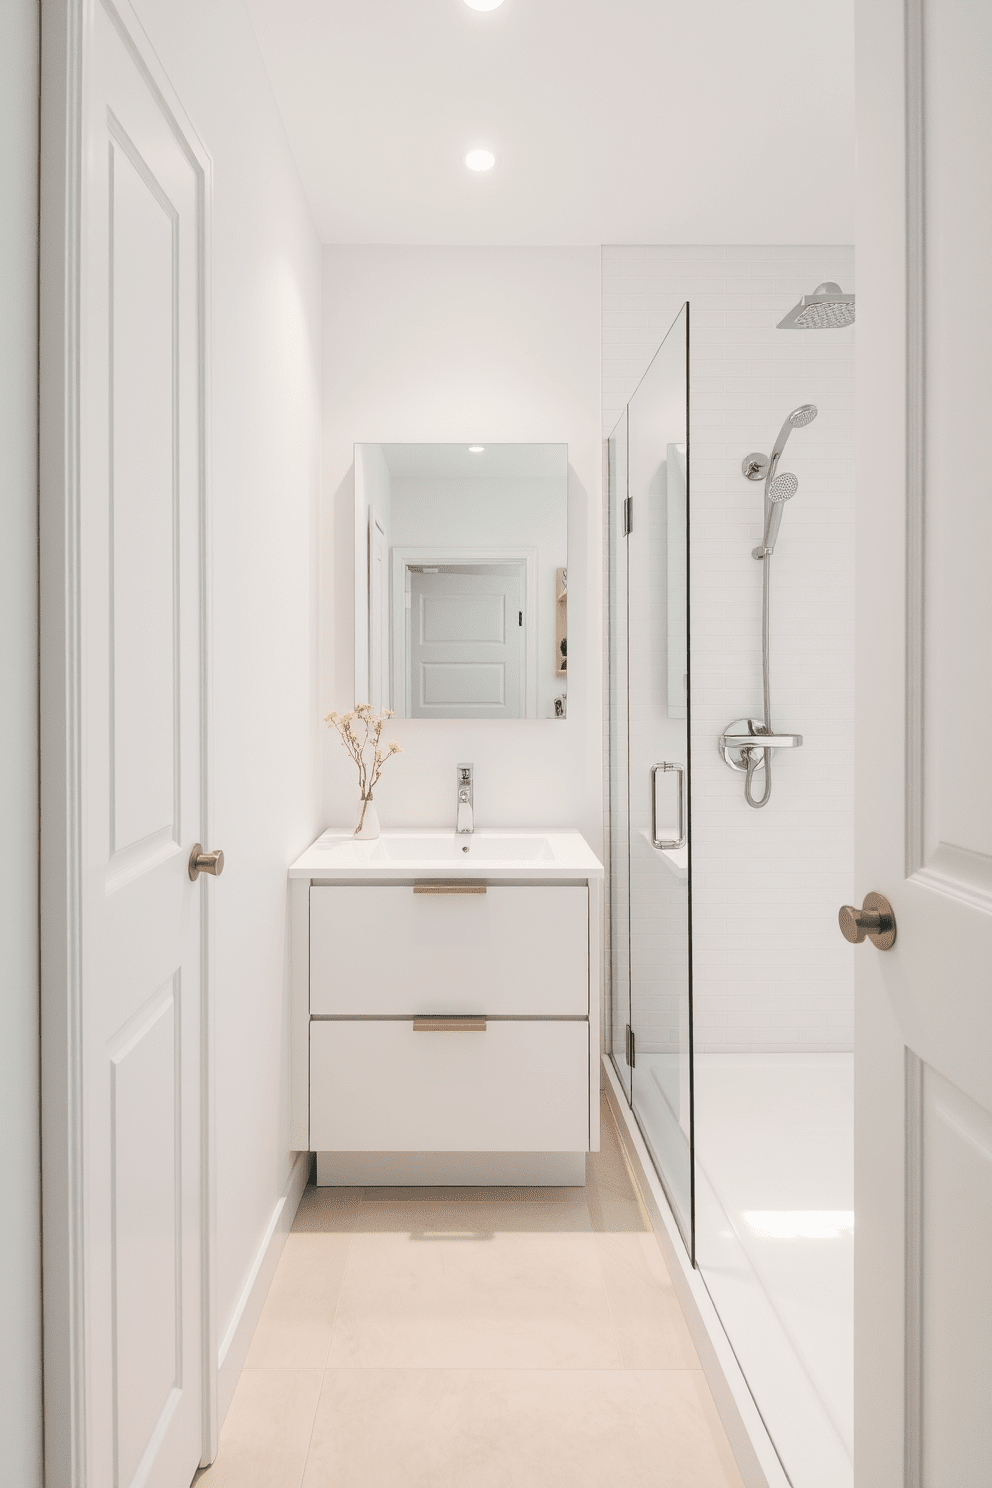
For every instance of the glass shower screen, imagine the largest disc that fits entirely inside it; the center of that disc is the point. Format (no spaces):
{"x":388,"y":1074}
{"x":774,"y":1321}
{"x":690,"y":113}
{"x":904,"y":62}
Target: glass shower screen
{"x":651,"y":1034}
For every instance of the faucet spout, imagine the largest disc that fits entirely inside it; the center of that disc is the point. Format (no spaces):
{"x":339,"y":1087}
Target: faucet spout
{"x":465,"y":806}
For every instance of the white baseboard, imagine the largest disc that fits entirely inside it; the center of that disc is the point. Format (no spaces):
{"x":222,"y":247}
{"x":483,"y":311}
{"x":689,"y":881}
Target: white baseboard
{"x":438,"y":1169}
{"x":240,"y":1331}
{"x":753,"y":1450}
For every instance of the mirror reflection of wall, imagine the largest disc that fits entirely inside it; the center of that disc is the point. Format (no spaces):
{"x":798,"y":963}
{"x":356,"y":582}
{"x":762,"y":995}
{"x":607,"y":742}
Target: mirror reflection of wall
{"x":461,"y":556}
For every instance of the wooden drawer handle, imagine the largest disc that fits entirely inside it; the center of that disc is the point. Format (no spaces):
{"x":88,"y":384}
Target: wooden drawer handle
{"x":438,"y":886}
{"x":449,"y":1025}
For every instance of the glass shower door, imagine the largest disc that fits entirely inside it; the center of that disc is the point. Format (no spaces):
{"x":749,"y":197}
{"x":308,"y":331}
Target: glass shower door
{"x":657,"y":765}
{"x":619,"y":917}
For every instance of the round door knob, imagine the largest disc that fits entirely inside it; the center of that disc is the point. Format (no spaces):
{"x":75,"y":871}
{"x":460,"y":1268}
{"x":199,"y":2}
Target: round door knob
{"x":205,"y":862}
{"x":874,"y":921}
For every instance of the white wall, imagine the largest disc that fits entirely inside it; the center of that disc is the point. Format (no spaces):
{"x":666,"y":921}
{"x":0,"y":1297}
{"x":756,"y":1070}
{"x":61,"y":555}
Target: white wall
{"x":770,"y":969}
{"x":20,"y":1256}
{"x":473,"y":344}
{"x":264,"y":433}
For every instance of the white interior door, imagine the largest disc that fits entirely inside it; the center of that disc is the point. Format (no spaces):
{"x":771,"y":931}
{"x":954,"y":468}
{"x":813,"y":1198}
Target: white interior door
{"x":466,"y":645}
{"x":133,"y":1407}
{"x":923,"y":1315}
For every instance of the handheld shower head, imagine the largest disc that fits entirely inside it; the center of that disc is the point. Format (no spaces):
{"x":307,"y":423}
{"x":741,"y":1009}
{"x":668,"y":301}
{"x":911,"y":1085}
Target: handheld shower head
{"x":783,"y":487}
{"x":803,"y":415}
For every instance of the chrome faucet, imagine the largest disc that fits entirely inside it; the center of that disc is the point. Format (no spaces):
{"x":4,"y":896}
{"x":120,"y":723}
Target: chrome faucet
{"x":465,"y":810}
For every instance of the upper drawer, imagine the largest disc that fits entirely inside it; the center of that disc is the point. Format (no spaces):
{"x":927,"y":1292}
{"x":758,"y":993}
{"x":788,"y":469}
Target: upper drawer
{"x":513,"y":951}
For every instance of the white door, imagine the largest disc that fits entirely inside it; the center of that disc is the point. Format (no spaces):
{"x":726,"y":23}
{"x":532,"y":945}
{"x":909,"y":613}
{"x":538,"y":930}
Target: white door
{"x":133,"y":1406}
{"x":923,"y":1121}
{"x":466,"y":645}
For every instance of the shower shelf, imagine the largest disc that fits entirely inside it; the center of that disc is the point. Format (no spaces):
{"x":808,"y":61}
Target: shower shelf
{"x":675,"y":859}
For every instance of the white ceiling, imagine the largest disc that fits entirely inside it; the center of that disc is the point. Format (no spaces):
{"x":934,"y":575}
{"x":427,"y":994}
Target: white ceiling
{"x":613,"y":121}
{"x":494,"y":462}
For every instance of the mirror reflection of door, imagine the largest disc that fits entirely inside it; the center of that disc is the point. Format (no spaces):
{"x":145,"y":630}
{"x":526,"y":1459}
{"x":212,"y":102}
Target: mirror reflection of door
{"x":471,"y":511}
{"x":465,"y":641}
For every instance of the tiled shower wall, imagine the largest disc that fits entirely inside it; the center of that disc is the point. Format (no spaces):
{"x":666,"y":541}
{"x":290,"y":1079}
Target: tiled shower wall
{"x":771,"y":970}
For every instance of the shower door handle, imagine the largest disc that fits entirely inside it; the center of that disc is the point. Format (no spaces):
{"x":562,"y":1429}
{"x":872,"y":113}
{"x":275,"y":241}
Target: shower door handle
{"x":680,"y":841}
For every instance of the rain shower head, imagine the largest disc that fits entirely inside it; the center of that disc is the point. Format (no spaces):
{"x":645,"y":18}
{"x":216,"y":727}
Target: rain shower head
{"x":783,"y":487}
{"x":826,"y":309}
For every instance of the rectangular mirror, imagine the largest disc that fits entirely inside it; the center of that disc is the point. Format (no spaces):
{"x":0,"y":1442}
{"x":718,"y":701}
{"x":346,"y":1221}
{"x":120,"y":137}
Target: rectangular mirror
{"x":461,"y":579}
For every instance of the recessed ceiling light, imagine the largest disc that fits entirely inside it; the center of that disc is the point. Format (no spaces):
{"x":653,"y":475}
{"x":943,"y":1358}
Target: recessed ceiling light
{"x":483,"y":4}
{"x":476,"y":449}
{"x":480,"y":160}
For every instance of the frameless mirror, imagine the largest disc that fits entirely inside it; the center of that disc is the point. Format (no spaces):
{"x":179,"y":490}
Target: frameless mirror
{"x":461,"y":579}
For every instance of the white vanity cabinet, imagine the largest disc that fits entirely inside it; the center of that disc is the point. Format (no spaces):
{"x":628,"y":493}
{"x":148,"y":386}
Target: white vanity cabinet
{"x":445,"y":1019}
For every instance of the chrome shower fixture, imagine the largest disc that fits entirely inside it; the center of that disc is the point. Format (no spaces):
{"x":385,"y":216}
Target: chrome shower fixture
{"x":828,"y":308}
{"x":746,"y":745}
{"x":778,"y":488}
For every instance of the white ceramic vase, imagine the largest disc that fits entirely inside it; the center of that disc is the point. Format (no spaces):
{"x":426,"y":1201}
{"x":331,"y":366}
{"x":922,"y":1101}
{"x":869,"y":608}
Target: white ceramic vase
{"x":367,"y":820}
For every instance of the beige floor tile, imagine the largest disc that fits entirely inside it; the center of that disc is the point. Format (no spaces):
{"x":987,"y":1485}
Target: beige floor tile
{"x":476,"y":1216}
{"x":294,"y":1330}
{"x":327,"y":1210}
{"x":613,"y":1202}
{"x":522,"y":1194}
{"x":474,"y":1286}
{"x":266,"y":1435}
{"x":651,"y":1330}
{"x":529,"y":1429}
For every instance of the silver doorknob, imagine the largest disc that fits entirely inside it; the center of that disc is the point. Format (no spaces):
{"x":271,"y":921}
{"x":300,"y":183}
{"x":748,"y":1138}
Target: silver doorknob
{"x":205,"y":862}
{"x":874,"y":921}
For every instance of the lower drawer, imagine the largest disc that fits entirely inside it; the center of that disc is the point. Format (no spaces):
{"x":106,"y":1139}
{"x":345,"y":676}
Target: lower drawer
{"x":379,"y":1086}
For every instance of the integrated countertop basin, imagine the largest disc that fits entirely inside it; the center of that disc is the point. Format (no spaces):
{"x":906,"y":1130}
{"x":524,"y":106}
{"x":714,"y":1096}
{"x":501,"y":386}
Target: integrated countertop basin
{"x":438,"y":853}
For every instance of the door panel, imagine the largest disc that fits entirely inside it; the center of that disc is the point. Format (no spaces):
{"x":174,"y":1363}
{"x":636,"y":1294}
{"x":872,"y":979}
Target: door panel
{"x":146,"y":1199}
{"x":953,"y":1222}
{"x":466,"y":640}
{"x":651,"y":1034}
{"x":923,"y":1089}
{"x":619,"y":876}
{"x":657,"y":734}
{"x":143,"y":269}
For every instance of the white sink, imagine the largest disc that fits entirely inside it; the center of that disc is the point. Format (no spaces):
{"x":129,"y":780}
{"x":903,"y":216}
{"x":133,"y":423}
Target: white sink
{"x":477,"y":847}
{"x":423,"y":853}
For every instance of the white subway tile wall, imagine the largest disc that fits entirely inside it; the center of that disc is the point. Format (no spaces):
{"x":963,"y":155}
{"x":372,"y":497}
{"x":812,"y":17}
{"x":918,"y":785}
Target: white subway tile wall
{"x":770,"y":968}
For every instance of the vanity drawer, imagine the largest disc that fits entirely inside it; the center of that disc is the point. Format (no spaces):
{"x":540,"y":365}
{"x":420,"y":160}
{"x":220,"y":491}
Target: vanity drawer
{"x":379,"y":1086}
{"x":514,"y":950}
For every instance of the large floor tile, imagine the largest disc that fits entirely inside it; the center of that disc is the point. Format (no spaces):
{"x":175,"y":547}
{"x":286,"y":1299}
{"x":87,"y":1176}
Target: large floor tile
{"x":294,"y":1330}
{"x":613,"y":1202}
{"x":651,"y":1330}
{"x":474,"y":1286}
{"x":521,"y":1194}
{"x":327,"y":1210}
{"x":532,"y":1429}
{"x":266,"y":1435}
